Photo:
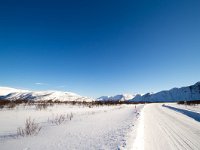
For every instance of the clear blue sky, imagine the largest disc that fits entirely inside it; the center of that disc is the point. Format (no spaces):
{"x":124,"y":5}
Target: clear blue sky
{"x":100,"y":47}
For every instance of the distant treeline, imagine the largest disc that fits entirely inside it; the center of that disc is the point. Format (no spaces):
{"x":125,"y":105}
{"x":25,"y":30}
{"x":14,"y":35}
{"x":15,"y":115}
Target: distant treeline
{"x":189,"y":102}
{"x":99,"y":103}
{"x":20,"y":101}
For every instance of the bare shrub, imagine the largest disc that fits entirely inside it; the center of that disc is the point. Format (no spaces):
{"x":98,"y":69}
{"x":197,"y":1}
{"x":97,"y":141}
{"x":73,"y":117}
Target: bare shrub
{"x":29,"y":103}
{"x":1,"y":106}
{"x":41,"y":106}
{"x":4,"y":102}
{"x":59,"y":119}
{"x":70,"y":116}
{"x":192,"y":102}
{"x":11,"y":105}
{"x":51,"y":104}
{"x":31,"y":128}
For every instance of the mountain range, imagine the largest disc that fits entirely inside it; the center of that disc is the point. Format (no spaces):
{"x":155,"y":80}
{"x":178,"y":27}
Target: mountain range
{"x":15,"y":94}
{"x":187,"y":93}
{"x":176,"y":94}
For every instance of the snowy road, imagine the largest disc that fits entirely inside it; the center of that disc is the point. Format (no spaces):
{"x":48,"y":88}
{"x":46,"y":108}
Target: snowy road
{"x":166,"y":129}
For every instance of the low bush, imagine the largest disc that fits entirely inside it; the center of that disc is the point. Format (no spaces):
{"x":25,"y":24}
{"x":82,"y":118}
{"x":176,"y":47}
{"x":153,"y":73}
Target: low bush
{"x":41,"y":106}
{"x":59,"y":119}
{"x":194,"y":102}
{"x":31,"y":128}
{"x":11,"y":105}
{"x":70,"y":116}
{"x":1,"y":106}
{"x":3,"y":103}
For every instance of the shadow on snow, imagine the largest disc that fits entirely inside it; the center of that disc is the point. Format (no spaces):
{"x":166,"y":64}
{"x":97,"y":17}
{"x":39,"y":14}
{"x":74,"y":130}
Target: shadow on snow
{"x":194,"y":115}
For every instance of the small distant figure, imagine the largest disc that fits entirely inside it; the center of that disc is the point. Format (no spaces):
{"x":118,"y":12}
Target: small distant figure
{"x":135,"y":109}
{"x":136,"y":112}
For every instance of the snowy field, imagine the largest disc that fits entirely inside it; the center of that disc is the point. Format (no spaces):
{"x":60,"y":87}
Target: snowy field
{"x":99,"y":127}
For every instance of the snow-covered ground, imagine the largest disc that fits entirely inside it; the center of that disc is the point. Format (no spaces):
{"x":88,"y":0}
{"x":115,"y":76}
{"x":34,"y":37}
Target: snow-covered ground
{"x":193,"y":108}
{"x":163,"y":128}
{"x":103,"y":127}
{"x":157,"y":127}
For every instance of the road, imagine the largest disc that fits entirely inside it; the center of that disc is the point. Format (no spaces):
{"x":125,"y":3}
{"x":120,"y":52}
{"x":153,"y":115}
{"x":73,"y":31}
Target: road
{"x":166,"y":129}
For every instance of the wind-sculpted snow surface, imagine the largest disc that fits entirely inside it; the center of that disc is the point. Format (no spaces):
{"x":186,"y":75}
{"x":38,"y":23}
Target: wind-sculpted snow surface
{"x":104,"y":127}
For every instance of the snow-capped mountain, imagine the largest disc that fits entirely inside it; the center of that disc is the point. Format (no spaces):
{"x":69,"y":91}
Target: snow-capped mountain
{"x":176,"y":94}
{"x":7,"y":90}
{"x":14,"y":94}
{"x":121,"y":97}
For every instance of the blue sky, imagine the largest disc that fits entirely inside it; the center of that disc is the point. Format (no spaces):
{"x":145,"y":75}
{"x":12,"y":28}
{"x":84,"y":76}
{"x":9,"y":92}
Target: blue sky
{"x":99,"y":48}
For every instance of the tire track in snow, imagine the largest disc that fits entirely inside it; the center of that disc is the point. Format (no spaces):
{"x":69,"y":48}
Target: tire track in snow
{"x":166,"y":129}
{"x":179,"y":134}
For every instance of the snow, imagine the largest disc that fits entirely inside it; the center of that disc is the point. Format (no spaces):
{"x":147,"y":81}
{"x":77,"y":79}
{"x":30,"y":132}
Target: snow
{"x":191,"y":111}
{"x":138,"y":143}
{"x":104,"y":127}
{"x":159,"y":126}
{"x":166,"y":129}
{"x":176,"y":94}
{"x":14,"y":94}
{"x":193,"y":108}
{"x":120,"y":97}
{"x":7,"y":90}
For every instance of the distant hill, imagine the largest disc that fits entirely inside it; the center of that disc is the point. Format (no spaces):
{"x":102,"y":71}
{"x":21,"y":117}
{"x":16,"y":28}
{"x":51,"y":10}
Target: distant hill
{"x":187,"y":93}
{"x":116,"y":98}
{"x":15,"y":94}
{"x":176,"y":94}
